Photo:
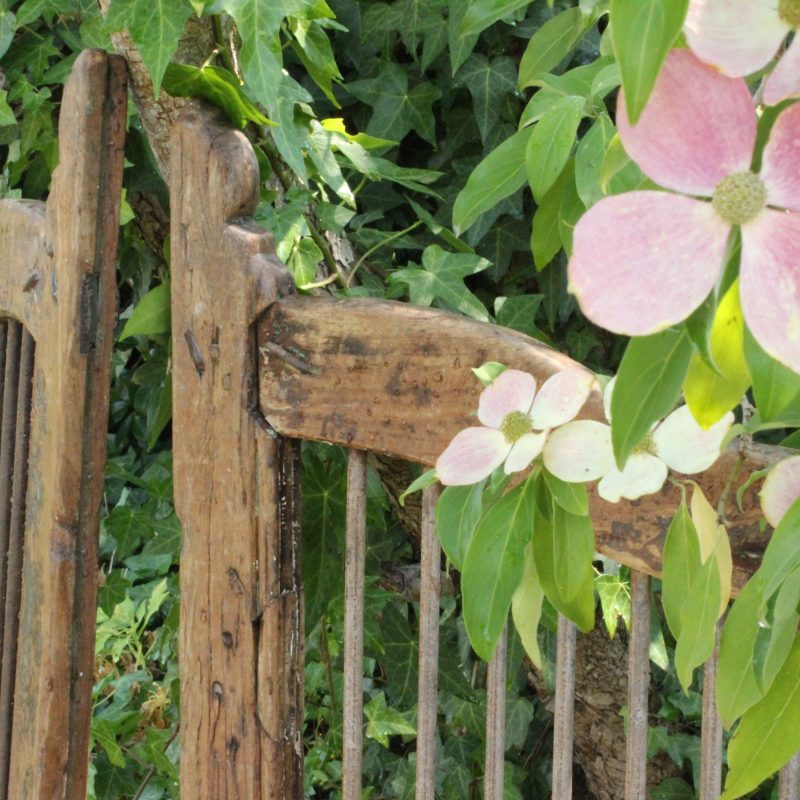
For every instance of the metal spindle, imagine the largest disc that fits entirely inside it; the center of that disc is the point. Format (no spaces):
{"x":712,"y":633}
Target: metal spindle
{"x":711,"y":731}
{"x":789,"y":788}
{"x":7,"y":441}
{"x":496,"y":720}
{"x":16,"y":539}
{"x":430,"y":588}
{"x":355,"y":551}
{"x":638,"y":688}
{"x":563,"y":724}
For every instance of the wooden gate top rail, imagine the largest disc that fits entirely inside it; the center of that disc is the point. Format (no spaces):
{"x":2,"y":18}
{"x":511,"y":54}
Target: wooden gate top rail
{"x":394,"y":378}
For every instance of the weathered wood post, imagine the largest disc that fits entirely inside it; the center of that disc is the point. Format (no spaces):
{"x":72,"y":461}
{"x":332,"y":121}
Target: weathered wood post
{"x":241,"y":654}
{"x":57,"y":294}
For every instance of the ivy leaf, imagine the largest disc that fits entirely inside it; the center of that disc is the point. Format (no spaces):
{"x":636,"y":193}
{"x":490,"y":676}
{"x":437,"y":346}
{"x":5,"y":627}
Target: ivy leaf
{"x":291,"y":131}
{"x":481,"y":14}
{"x":489,"y":82}
{"x":401,"y":656}
{"x":383,"y":721}
{"x":324,"y":492}
{"x":648,"y":385}
{"x":396,"y":109}
{"x":155,"y":25}
{"x":6,"y":112}
{"x":519,"y":313}
{"x":499,"y":175}
{"x":152,"y":315}
{"x":769,"y":734}
{"x":217,"y":85}
{"x":642,"y":32}
{"x":441,"y":280}
{"x":494,"y":565}
{"x":8,"y":24}
{"x":459,"y":46}
{"x":615,"y":600}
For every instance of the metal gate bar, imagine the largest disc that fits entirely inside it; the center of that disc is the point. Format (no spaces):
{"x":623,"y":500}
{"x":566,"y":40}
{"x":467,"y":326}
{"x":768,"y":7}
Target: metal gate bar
{"x":429,"y":591}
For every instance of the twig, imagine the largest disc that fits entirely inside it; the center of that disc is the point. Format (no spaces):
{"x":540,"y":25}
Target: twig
{"x":152,"y":771}
{"x":326,"y":657}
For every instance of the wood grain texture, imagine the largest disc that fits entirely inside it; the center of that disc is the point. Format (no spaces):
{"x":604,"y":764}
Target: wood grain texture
{"x":57,"y":278}
{"x":241,"y":653}
{"x":395,"y":379}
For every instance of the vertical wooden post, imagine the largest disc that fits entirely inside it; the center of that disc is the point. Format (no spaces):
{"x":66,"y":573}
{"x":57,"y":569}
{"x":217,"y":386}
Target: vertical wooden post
{"x":241,"y":655}
{"x":58,"y":280}
{"x":638,"y":688}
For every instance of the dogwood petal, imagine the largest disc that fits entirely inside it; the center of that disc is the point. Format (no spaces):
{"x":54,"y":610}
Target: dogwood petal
{"x":472,"y":456}
{"x":684,"y":446}
{"x":607,"y":394}
{"x":642,"y":261}
{"x":784,"y":81}
{"x":579,"y":451}
{"x":735,"y":36}
{"x":780,"y":168}
{"x":523,"y":451}
{"x":770,"y":283}
{"x":698,"y":126}
{"x":780,"y":489}
{"x":561,"y":398}
{"x":642,"y":474}
{"x":511,"y":391}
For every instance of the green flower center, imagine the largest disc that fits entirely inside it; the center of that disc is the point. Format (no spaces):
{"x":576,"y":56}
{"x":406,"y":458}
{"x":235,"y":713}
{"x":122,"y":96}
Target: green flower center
{"x":789,"y":12}
{"x":515,"y":425}
{"x":739,"y":197}
{"x":646,"y":447}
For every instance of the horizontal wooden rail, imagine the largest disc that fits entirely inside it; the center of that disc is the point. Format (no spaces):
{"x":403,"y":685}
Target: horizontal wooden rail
{"x":395,"y":379}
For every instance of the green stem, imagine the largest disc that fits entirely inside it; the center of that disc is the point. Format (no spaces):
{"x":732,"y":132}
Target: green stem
{"x":222,"y":47}
{"x":378,"y":246}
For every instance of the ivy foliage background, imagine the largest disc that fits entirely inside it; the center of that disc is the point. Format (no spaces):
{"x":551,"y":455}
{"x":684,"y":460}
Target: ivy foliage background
{"x":435,"y":151}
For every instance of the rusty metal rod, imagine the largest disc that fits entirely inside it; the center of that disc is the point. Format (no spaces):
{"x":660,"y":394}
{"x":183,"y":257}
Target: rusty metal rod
{"x":430,"y":587}
{"x":638,"y":688}
{"x":711,"y":731}
{"x":563,"y":724}
{"x":16,"y":542}
{"x":355,"y":551}
{"x":496,"y":720}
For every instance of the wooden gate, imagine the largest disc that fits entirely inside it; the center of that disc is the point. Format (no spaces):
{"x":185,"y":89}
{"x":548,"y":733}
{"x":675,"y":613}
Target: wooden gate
{"x":255,"y":369}
{"x":57,"y":307}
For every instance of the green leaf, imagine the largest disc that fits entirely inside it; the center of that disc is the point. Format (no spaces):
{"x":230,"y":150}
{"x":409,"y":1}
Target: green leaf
{"x":217,"y":85}
{"x":152,"y":315}
{"x":155,"y":25}
{"x":284,"y":98}
{"x":459,"y":46}
{"x":572,"y":497}
{"x":396,"y":108}
{"x":776,"y":631}
{"x":551,"y":143}
{"x":112,"y":591}
{"x":551,"y":44}
{"x":303,"y":261}
{"x":8,"y":24}
{"x":782,"y":555}
{"x":698,"y":621}
{"x":103,"y":733}
{"x":128,"y":526}
{"x":441,"y":280}
{"x":519,"y":313}
{"x":401,"y":656}
{"x":313,"y":48}
{"x":769,"y":734}
{"x":737,"y":687}
{"x":32,"y":10}
{"x":615,"y":600}
{"x":384,"y":721}
{"x":489,"y":372}
{"x":428,"y":478}
{"x":489,"y":83}
{"x":648,"y":386}
{"x":324,"y":493}
{"x":545,"y":235}
{"x":6,"y":112}
{"x":589,"y":160}
{"x":563,"y":545}
{"x":499,"y":175}
{"x":711,"y":393}
{"x":775,"y":387}
{"x":166,"y":539}
{"x":494,"y":565}
{"x":481,"y":14}
{"x":681,"y":563}
{"x":526,"y":608}
{"x":642,"y":32}
{"x":673,"y":789}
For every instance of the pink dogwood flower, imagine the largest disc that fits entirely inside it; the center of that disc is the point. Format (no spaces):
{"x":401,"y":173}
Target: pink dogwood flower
{"x":644,"y":260}
{"x":515,"y":420}
{"x":780,"y":489}
{"x":582,"y":451}
{"x":742,"y":36}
